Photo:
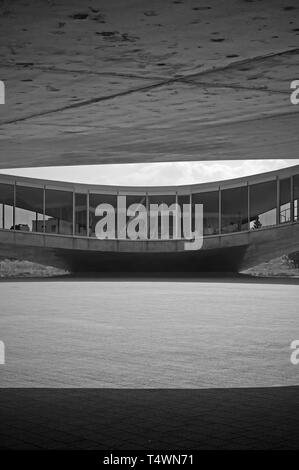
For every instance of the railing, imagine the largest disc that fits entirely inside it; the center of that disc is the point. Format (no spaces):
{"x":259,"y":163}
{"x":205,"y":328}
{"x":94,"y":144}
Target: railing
{"x":214,"y":235}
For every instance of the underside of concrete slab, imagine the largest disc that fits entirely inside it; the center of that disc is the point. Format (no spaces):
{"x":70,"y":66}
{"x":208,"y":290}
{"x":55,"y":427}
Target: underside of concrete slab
{"x":120,"y":82}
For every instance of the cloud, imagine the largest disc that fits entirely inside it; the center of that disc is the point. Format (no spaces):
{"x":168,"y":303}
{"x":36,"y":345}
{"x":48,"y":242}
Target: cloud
{"x":154,"y":174}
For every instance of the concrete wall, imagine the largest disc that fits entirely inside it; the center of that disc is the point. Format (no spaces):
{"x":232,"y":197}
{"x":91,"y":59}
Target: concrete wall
{"x":229,"y":252}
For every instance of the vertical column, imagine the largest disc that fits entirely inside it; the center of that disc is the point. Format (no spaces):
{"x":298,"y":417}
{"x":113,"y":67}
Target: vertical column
{"x":219,"y":210}
{"x":178,"y":215}
{"x":248,"y":205}
{"x":14,"y":205}
{"x":44,"y":209}
{"x":116,"y":217}
{"x":190,"y":202}
{"x":74,"y":211}
{"x":277,"y":201}
{"x":147,"y":214}
{"x":3,"y":215}
{"x":292,"y":198}
{"x":87,"y":214}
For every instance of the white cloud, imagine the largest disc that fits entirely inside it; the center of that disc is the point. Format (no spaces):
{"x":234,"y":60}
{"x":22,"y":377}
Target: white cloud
{"x":154,"y":174}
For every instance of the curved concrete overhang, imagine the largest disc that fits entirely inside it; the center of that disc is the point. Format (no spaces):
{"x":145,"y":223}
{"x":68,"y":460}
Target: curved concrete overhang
{"x":132,"y":82}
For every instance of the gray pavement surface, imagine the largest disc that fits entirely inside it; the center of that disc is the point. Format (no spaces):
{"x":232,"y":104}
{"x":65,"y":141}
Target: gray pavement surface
{"x":166,"y":373}
{"x":149,"y":334}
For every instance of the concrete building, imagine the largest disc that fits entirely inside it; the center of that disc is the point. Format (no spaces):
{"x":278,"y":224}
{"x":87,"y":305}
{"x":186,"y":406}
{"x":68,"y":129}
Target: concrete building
{"x":52,"y":225}
{"x":245,"y":221}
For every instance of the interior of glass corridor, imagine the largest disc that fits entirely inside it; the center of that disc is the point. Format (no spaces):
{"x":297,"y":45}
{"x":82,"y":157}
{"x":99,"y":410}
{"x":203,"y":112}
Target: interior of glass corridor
{"x":45,"y":209}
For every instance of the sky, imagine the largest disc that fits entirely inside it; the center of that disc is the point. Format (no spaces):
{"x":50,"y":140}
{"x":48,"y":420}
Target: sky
{"x":154,"y":174}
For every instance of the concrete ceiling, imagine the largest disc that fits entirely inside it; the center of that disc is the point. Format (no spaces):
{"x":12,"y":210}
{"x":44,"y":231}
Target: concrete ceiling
{"x":116,"y":81}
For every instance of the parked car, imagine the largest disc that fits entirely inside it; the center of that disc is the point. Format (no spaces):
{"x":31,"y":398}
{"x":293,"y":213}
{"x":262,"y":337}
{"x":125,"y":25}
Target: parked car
{"x":23,"y":227}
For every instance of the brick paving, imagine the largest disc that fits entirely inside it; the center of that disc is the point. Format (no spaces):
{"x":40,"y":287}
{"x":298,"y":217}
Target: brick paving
{"x":111,"y":419}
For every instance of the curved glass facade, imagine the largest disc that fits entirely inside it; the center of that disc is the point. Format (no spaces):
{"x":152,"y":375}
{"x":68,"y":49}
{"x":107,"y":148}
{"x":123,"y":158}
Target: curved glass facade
{"x":228,"y":207}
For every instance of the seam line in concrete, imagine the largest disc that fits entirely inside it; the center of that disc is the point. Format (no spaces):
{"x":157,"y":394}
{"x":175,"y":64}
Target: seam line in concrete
{"x":182,"y":78}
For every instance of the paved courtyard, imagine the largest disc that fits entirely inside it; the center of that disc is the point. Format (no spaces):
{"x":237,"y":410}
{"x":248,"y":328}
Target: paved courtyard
{"x":149,"y":365}
{"x":142,"y":334}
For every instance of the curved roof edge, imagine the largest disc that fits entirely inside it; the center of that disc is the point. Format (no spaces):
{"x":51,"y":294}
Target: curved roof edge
{"x":213,"y":185}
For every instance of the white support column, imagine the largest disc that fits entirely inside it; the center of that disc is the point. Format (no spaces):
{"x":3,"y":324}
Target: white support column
{"x":116,"y":217}
{"x":219,"y":211}
{"x":292,"y":198}
{"x":14,"y":204}
{"x":87,"y":214}
{"x":190,"y":202}
{"x":176,"y":221}
{"x":147,"y":215}
{"x":248,"y":204}
{"x":277,"y":201}
{"x":74,"y":212}
{"x":44,"y":209}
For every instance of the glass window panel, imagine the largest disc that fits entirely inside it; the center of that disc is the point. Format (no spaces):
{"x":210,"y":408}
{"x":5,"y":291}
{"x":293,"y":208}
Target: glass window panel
{"x":296,"y":197}
{"x":6,"y":205}
{"x":81,"y":214}
{"x":137,"y":199}
{"x":59,"y":212}
{"x":94,"y":201}
{"x":167,"y":199}
{"x":210,"y":201}
{"x":234,"y":208}
{"x":29,"y":209}
{"x":183,"y":199}
{"x":263,"y":204}
{"x":285,"y":200}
